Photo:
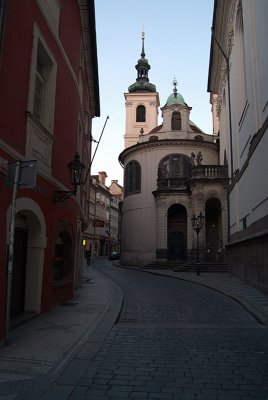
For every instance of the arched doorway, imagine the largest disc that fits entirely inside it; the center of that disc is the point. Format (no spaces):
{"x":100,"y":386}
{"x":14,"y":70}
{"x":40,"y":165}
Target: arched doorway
{"x":19,"y":265}
{"x":213,"y":229}
{"x":177,"y":232}
{"x":29,"y":246}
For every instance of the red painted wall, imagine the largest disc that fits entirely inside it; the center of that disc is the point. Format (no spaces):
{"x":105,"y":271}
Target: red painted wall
{"x":70,"y":33}
{"x":14,"y":85}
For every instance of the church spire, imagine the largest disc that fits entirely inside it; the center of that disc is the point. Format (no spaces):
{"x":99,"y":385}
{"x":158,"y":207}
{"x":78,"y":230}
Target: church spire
{"x":142,"y":82}
{"x":142,"y":49}
{"x":143,"y":66}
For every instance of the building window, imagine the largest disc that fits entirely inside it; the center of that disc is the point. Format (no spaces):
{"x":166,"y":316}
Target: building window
{"x":244,"y":223}
{"x":42,"y":87}
{"x":140,"y":114}
{"x":132,"y":178}
{"x":176,"y":121}
{"x":62,"y":261}
{"x":174,"y":171}
{"x":174,"y":166}
{"x":39,"y":85}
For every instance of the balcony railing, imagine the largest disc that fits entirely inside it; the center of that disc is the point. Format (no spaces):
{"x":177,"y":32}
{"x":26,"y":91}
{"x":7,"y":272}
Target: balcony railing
{"x":211,"y":172}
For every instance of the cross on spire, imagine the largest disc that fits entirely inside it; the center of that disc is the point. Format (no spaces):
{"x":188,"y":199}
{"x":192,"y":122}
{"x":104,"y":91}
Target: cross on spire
{"x":142,"y":50}
{"x":175,"y":87}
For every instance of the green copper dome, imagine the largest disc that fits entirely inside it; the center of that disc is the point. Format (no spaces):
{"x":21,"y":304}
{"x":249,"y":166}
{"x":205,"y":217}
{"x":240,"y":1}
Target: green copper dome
{"x":175,"y":98}
{"x":143,"y":61}
{"x":142,"y":86}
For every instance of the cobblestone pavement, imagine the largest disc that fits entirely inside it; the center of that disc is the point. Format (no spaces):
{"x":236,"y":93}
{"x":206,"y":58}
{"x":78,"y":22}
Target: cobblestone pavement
{"x":173,"y":340}
{"x":252,"y":299}
{"x":40,"y":349}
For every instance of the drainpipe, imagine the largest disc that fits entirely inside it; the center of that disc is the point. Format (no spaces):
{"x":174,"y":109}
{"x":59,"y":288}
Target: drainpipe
{"x":2,"y":22}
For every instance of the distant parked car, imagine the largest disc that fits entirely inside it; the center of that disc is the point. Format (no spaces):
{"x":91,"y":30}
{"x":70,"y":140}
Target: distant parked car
{"x":114,"y":255}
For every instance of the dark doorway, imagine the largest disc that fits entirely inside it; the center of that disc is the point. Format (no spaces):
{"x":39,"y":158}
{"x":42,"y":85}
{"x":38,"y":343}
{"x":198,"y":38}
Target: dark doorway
{"x":213,"y":224}
{"x":214,"y":240}
{"x":177,"y":246}
{"x":19,"y":271}
{"x":177,"y":232}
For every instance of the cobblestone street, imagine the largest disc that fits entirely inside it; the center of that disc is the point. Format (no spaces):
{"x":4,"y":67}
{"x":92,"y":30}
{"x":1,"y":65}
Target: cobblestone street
{"x":175,"y":340}
{"x":170,"y":362}
{"x":169,"y":339}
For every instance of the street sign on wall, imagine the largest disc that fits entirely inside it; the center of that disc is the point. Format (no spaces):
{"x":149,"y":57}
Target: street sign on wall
{"x":27,"y":177}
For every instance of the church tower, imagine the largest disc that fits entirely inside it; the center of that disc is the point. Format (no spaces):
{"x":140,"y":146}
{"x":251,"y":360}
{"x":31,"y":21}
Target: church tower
{"x":142,"y":102}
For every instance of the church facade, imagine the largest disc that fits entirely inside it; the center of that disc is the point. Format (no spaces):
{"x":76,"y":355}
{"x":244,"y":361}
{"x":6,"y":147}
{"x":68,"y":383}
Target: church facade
{"x":171,"y":173}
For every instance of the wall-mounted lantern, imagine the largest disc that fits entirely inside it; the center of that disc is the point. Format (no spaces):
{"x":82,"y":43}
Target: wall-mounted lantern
{"x":76,"y":171}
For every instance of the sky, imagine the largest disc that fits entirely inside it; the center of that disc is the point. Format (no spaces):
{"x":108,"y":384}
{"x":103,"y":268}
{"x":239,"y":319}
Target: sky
{"x":177,"y":45}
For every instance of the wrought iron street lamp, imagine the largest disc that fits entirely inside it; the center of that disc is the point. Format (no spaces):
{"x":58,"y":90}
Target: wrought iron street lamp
{"x":76,"y":171}
{"x":197,"y":223}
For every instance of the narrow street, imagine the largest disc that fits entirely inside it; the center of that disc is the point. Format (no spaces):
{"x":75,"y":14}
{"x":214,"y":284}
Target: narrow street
{"x":130,"y":334}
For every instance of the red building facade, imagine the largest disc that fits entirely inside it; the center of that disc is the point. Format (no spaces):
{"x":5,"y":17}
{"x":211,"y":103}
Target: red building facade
{"x":48,"y":96}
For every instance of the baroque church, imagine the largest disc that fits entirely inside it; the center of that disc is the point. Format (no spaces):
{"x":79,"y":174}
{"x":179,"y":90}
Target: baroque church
{"x":171,"y":173}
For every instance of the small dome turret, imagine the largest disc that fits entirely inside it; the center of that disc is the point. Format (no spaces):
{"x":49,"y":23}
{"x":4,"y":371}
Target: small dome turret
{"x":175,"y":100}
{"x":175,"y":97}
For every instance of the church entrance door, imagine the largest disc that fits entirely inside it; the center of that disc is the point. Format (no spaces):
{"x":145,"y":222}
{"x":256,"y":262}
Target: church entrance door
{"x":177,"y":232}
{"x":177,"y":246}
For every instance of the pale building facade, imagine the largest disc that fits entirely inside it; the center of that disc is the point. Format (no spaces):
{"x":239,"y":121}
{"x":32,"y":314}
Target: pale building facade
{"x":114,"y":225}
{"x":239,"y":61}
{"x":171,"y":172}
{"x":103,"y":232}
{"x":116,"y":191}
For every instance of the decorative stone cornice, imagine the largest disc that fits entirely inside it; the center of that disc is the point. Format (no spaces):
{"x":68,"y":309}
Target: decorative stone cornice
{"x":221,"y":86}
{"x":224,"y":74}
{"x":219,"y":105}
{"x":229,"y":37}
{"x":227,"y":33}
{"x":139,"y":147}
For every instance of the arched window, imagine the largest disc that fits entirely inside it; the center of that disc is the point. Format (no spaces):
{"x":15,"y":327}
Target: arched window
{"x":176,"y":121}
{"x":174,"y":166}
{"x":140,"y":114}
{"x":132,"y":178}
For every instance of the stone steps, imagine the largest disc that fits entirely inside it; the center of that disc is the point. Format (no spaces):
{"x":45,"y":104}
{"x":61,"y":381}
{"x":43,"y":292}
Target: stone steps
{"x":183,"y":267}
